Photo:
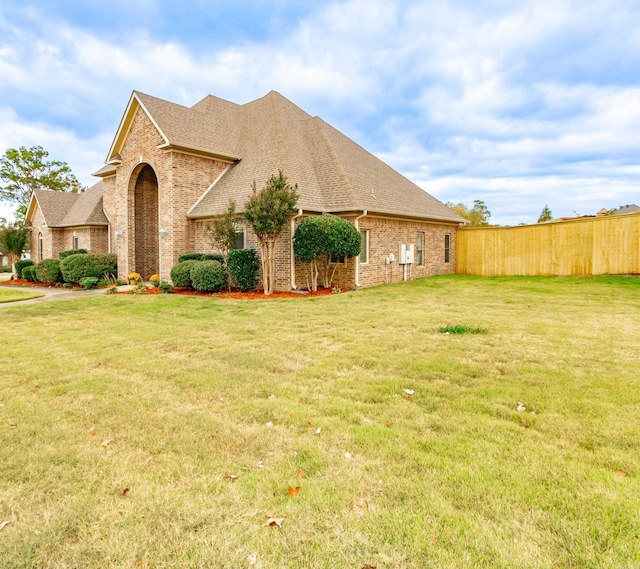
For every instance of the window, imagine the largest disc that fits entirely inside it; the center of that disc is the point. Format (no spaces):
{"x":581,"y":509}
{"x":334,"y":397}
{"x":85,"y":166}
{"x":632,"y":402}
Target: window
{"x":40,"y":247}
{"x":447,"y":248}
{"x":420,"y":248}
{"x":75,"y":242}
{"x":364,"y":247}
{"x":239,"y":240}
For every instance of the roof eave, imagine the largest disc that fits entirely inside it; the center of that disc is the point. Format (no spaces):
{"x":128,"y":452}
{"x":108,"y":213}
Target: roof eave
{"x":196,"y":151}
{"x":395,"y":213}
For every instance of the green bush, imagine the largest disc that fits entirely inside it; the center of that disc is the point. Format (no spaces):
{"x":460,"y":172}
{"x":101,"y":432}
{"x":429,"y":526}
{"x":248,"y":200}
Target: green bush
{"x":88,"y":282}
{"x":165,"y":288}
{"x":21,"y":265}
{"x":79,"y":266}
{"x":64,"y":254}
{"x":29,"y":274}
{"x":48,"y":271}
{"x":243,"y":267}
{"x":208,"y":276}
{"x":181,"y":273}
{"x":5,"y":269}
{"x":202,"y":257}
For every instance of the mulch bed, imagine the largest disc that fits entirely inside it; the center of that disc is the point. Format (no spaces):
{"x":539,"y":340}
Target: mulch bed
{"x":237,"y":295}
{"x":22,"y":282}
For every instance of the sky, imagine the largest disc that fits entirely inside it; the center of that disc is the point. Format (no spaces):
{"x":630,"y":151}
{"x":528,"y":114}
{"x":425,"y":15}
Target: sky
{"x":519,"y":104}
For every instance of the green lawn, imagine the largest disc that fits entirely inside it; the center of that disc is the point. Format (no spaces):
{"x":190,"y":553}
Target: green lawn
{"x":11,"y":294}
{"x":125,"y":419}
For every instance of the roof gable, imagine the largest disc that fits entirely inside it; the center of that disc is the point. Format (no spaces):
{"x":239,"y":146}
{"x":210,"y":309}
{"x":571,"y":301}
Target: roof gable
{"x":66,"y":209}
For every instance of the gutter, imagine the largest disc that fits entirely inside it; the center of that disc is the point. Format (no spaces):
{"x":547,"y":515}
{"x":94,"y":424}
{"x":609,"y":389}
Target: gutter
{"x":357,"y":226}
{"x":293,"y":258}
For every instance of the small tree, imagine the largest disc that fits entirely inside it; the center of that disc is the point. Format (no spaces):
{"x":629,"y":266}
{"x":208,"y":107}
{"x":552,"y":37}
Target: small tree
{"x":222,"y":230}
{"x":13,"y":241}
{"x":477,"y":216}
{"x":268,"y":211}
{"x":546,"y":214}
{"x":26,"y":169}
{"x":319,"y":238}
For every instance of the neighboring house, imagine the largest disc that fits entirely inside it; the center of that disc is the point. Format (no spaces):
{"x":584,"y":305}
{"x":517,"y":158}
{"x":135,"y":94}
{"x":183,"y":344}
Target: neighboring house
{"x":62,"y":220}
{"x":627,"y":209}
{"x":4,"y":259}
{"x":171,"y":169}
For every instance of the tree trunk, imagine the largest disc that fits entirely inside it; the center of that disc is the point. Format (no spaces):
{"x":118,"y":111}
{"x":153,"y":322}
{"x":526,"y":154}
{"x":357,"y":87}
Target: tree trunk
{"x":264,"y":263}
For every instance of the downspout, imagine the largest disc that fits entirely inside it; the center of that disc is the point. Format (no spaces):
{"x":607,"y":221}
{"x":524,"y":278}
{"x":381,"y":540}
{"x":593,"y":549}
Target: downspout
{"x":357,"y":226}
{"x":109,"y":238}
{"x":293,"y":258}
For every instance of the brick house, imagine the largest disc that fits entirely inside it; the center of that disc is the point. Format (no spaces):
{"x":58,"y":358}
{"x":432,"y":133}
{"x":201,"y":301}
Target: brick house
{"x":171,"y":169}
{"x":62,"y":220}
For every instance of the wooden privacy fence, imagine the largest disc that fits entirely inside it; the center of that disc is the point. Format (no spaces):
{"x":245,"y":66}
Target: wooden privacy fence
{"x":583,"y":246}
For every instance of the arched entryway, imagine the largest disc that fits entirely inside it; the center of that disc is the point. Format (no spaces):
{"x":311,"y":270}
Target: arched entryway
{"x":145,"y":200}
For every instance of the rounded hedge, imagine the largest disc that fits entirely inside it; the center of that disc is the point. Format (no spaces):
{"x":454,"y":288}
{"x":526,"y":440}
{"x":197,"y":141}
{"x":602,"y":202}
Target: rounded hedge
{"x":244,"y":266}
{"x":48,"y":271}
{"x":79,"y":266}
{"x":325,"y":235}
{"x":208,"y":276}
{"x":21,"y":265}
{"x":29,"y":274}
{"x":181,"y":273}
{"x":64,"y":254}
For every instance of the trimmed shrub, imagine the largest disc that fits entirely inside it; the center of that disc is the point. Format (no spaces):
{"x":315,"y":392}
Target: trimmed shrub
{"x":202,"y":257}
{"x":21,"y":265}
{"x":48,"y":271}
{"x":165,"y":288}
{"x":88,"y":282}
{"x":64,"y":254}
{"x":29,"y":274}
{"x":79,"y":266}
{"x":208,"y":276}
{"x":243,"y":267}
{"x":181,"y":273}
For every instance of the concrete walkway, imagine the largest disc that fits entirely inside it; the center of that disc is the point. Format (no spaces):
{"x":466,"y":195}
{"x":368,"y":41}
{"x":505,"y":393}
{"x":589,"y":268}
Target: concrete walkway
{"x":53,"y":294}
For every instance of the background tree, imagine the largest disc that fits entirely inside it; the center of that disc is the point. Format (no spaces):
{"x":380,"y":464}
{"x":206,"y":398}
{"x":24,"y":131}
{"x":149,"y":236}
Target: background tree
{"x":268,"y":211}
{"x":26,"y":169}
{"x":317,"y":239}
{"x":13,"y":241}
{"x":222,"y":230}
{"x":546,"y":214}
{"x":478,"y":215}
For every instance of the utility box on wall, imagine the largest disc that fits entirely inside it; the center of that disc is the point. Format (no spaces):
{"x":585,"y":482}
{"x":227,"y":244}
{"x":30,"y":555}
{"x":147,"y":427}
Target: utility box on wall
{"x":406,"y":253}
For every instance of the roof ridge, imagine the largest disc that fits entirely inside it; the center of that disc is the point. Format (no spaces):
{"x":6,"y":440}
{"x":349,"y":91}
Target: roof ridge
{"x":279,"y":135}
{"x":336,"y":160}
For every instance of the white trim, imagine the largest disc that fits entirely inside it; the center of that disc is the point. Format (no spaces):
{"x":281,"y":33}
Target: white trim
{"x":224,"y":171}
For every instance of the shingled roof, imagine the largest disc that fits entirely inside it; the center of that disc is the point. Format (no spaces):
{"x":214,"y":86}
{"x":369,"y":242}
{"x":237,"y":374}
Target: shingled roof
{"x":66,"y":209}
{"x":333,"y":173}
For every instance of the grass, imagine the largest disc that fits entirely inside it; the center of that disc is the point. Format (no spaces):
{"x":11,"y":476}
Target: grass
{"x":459,"y":329}
{"x":13,"y":294}
{"x":170,"y":396}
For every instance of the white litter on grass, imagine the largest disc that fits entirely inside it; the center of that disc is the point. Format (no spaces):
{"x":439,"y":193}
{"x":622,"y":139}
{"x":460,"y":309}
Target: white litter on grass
{"x":521,"y":407}
{"x":409,"y":391}
{"x":347,"y":455}
{"x":269,"y":424}
{"x":317,"y":431}
{"x":272,"y":396}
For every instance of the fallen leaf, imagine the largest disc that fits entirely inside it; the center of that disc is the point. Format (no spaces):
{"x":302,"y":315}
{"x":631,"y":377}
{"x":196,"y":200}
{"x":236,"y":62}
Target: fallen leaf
{"x":387,"y":423}
{"x":301,"y":474}
{"x":14,"y":425}
{"x":230,"y":477}
{"x":409,"y":398}
{"x":106,"y":443}
{"x":252,"y":559}
{"x":620,"y":473}
{"x":409,"y":391}
{"x":526,"y":426}
{"x":125,"y":492}
{"x":293,"y":492}
{"x":611,"y":386}
{"x":310,"y":424}
{"x":92,"y":431}
{"x":189,"y":355}
{"x":274,"y":522}
{"x":271,"y":513}
{"x":317,"y":431}
{"x":277,"y":422}
{"x":138,"y":563}
{"x":302,"y":401}
{"x":367,"y":566}
{"x":4,"y":524}
{"x":502,"y":372}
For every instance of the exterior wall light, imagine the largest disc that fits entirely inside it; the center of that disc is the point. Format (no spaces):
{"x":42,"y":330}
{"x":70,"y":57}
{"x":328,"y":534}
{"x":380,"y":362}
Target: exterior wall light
{"x":119,"y":233}
{"x":164,"y":232}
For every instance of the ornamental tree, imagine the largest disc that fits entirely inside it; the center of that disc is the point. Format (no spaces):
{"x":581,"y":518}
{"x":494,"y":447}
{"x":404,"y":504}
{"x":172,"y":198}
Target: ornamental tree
{"x":13,"y":241}
{"x":26,"y":169}
{"x":319,"y":239}
{"x":268,"y":211}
